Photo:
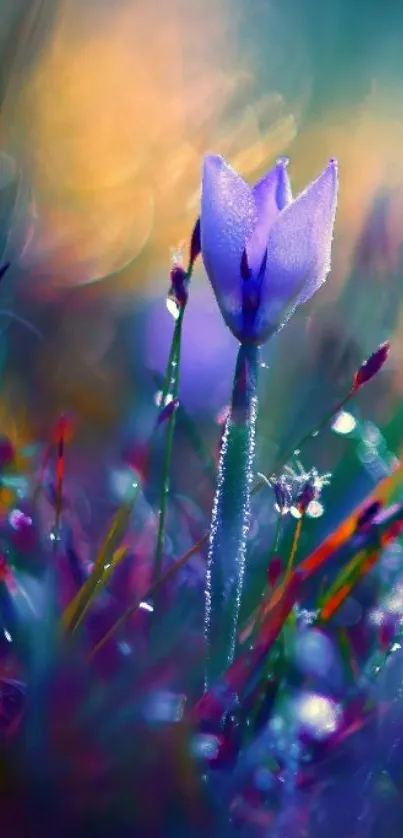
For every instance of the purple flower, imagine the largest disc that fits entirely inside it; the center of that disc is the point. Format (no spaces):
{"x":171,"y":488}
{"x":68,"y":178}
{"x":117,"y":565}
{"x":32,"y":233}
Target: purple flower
{"x":264,"y":252}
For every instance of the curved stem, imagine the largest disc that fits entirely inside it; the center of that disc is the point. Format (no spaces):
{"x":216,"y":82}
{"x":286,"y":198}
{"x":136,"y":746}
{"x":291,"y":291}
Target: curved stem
{"x":231,"y":517}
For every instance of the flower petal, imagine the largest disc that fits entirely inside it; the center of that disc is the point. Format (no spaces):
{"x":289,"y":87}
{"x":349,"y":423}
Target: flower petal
{"x":272,"y":193}
{"x":228,"y":217}
{"x":298,"y":252}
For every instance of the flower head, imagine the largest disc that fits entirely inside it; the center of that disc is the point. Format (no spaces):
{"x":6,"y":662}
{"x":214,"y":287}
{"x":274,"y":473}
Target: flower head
{"x":264,"y":252}
{"x":297,"y":488}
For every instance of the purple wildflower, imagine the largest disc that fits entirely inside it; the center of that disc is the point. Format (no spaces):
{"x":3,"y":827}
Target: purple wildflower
{"x":297,"y":488}
{"x":264,"y":253}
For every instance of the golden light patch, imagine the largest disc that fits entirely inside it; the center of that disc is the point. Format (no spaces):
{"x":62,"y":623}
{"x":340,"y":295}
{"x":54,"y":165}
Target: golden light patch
{"x":117,"y":117}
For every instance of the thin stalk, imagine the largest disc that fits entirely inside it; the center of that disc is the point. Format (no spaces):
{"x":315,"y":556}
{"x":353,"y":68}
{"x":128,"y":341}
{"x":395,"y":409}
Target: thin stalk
{"x":231,"y":518}
{"x":78,"y":607}
{"x":171,"y":383}
{"x":195,"y":439}
{"x":59,"y":478}
{"x":294,"y":548}
{"x":264,"y":480}
{"x":386,"y":531}
{"x":277,"y":534}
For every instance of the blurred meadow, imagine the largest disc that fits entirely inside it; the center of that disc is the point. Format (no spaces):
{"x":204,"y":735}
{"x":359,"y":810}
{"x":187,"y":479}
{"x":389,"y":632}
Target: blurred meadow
{"x":106,"y":111}
{"x":109,"y":606}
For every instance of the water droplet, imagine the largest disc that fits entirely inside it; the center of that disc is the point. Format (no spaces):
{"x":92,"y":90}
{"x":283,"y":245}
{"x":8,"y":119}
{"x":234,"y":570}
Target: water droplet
{"x":206,"y":746}
{"x":317,"y":715}
{"x":121,"y":481}
{"x":344,"y":423}
{"x":315,"y":509}
{"x":173,"y":308}
{"x":295,"y":512}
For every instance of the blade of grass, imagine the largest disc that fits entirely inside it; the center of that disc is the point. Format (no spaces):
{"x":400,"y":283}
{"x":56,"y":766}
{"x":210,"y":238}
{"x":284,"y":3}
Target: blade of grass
{"x":77,"y":608}
{"x":165,"y":482}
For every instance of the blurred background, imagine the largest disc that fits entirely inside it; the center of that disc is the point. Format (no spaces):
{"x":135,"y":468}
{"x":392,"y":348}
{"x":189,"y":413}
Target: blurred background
{"x":106,"y":109}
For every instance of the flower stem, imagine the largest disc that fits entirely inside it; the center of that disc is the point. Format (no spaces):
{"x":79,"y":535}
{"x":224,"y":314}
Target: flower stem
{"x":231,"y":517}
{"x":310,"y":567}
{"x":171,"y":386}
{"x":294,"y":548}
{"x":264,"y":480}
{"x":277,"y":535}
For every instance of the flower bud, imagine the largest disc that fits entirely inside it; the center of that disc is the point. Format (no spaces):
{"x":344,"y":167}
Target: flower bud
{"x":179,"y":286}
{"x":371,"y":366}
{"x":308,"y":493}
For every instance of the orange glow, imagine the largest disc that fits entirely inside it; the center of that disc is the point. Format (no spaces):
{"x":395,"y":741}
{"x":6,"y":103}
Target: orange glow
{"x":117,"y":120}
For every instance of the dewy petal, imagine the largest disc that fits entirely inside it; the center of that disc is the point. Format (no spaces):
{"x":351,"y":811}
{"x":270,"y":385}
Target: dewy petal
{"x":299,"y":250}
{"x":272,"y":193}
{"x":228,"y":217}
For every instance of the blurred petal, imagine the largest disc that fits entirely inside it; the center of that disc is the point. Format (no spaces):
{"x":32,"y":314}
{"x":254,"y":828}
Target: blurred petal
{"x":272,"y":193}
{"x":299,"y":249}
{"x":228,"y":217}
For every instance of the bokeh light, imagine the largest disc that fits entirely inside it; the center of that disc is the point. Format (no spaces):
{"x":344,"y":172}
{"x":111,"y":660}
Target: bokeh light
{"x":344,"y":423}
{"x":317,"y":714}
